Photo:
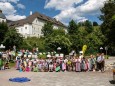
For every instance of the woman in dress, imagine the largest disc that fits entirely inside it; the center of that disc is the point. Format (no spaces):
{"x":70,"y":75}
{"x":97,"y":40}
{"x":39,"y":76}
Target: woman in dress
{"x":78,"y":64}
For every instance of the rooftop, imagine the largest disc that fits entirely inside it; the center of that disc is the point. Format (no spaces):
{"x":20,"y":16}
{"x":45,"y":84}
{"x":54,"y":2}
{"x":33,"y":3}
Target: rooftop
{"x":2,"y":15}
{"x":31,"y":18}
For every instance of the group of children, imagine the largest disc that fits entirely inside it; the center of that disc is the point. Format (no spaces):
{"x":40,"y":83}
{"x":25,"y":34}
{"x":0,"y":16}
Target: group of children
{"x":73,"y":63}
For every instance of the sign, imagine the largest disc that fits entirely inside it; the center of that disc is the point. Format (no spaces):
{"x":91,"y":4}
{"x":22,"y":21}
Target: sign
{"x":106,"y":48}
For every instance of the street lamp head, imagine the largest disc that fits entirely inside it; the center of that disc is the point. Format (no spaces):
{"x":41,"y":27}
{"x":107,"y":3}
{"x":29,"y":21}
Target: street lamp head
{"x":101,"y":48}
{"x":2,"y":46}
{"x":59,"y":48}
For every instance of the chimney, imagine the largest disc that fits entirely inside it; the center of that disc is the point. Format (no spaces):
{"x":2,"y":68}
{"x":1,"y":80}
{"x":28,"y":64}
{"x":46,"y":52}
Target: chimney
{"x":0,"y":11}
{"x":30,"y":12}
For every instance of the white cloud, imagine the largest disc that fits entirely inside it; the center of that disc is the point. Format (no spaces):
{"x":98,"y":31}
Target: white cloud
{"x":14,"y":1}
{"x":7,"y":8}
{"x":21,"y":6}
{"x":61,"y":4}
{"x":69,"y":11}
{"x":15,"y":17}
{"x":10,"y":11}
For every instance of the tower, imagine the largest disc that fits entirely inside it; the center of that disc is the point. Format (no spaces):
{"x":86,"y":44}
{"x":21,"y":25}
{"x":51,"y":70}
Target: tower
{"x":2,"y":17}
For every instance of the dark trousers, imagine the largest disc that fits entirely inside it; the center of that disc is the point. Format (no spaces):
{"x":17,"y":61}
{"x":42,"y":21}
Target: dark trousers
{"x":101,"y":65}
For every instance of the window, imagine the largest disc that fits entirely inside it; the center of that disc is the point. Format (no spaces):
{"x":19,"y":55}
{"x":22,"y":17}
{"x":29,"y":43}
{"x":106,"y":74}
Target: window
{"x":17,"y":30}
{"x":25,"y":27}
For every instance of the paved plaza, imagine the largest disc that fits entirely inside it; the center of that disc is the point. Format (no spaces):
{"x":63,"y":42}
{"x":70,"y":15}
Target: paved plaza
{"x":58,"y":78}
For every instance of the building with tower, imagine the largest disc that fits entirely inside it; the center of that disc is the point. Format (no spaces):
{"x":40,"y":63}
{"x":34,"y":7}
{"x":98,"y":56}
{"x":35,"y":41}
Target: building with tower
{"x":2,"y":17}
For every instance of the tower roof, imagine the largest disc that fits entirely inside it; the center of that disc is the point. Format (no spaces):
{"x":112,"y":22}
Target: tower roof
{"x":2,"y":15}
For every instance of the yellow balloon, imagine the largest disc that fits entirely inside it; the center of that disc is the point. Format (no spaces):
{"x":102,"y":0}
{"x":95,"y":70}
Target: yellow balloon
{"x":84,"y":48}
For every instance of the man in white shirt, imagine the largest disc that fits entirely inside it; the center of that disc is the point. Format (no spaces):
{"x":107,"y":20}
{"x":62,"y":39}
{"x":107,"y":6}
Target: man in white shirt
{"x":101,"y":62}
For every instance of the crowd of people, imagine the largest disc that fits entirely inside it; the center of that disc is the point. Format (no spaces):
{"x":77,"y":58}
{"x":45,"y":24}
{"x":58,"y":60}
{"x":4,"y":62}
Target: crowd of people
{"x":50,"y":64}
{"x":27,"y":61}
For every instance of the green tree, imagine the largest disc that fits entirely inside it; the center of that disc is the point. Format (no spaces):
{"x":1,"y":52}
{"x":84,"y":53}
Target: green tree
{"x":12,"y":38}
{"x":59,"y":31}
{"x":108,"y":25}
{"x":79,"y":39}
{"x":34,"y":42}
{"x":72,"y":28}
{"x":3,"y":30}
{"x":95,"y":23}
{"x":47,"y":29}
{"x":53,"y":42}
{"x":95,"y":39}
{"x":88,"y":26}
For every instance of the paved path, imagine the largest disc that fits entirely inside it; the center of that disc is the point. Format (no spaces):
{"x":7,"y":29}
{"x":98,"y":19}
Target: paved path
{"x":57,"y":78}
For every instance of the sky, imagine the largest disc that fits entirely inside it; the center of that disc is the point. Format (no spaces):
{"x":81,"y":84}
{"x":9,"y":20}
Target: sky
{"x":62,"y":10}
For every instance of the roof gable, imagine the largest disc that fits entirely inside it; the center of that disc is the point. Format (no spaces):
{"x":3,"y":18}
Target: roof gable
{"x":32,"y":17}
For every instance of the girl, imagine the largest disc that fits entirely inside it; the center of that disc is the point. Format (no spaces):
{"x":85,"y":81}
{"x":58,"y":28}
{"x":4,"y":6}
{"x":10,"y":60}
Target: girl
{"x":63,"y":66}
{"x":27,"y":68}
{"x":51,"y":67}
{"x":18,"y":62}
{"x":83,"y":65}
{"x":78,"y":64}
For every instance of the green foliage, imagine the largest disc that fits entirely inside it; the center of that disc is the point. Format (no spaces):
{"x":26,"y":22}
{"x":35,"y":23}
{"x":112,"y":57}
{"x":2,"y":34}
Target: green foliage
{"x":3,"y":30}
{"x":47,"y":29}
{"x":72,"y":28}
{"x":59,"y":31}
{"x":95,"y":23}
{"x":95,"y":39}
{"x":108,"y":25}
{"x":58,"y":39}
{"x":12,"y":38}
{"x":88,"y":26}
{"x":33,"y":42}
{"x":42,"y":56}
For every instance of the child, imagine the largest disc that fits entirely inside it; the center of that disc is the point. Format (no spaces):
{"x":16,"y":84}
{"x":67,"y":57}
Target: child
{"x":63,"y":66}
{"x":78,"y":66}
{"x":6,"y":66}
{"x":51,"y":67}
{"x":83,"y":65}
{"x":45,"y":66}
{"x":54,"y":65}
{"x":39,"y":66}
{"x":21,"y":68}
{"x":27,"y":68}
{"x":35,"y":69}
{"x":57,"y":67}
{"x":69,"y":65}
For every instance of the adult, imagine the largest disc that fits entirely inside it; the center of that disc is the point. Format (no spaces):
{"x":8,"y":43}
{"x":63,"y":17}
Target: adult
{"x":101,"y":62}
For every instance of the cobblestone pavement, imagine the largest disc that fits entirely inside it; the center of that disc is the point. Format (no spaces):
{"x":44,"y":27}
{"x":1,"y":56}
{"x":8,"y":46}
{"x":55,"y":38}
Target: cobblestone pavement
{"x":58,"y":78}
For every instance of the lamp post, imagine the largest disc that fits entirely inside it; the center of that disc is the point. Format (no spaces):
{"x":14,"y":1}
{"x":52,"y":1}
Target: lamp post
{"x":101,"y":48}
{"x":59,"y":49}
{"x":106,"y":48}
{"x":2,"y":46}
